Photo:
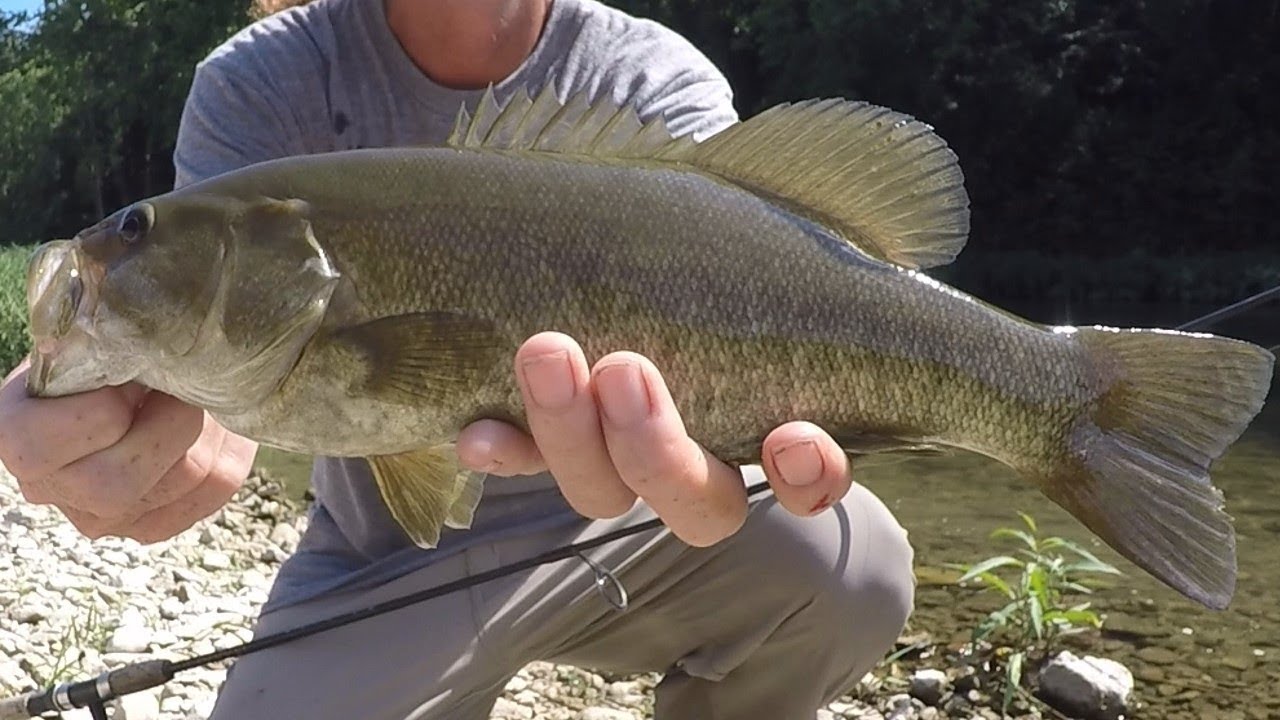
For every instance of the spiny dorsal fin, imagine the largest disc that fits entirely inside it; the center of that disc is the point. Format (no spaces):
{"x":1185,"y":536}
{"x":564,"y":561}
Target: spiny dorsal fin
{"x":880,"y":179}
{"x":578,"y":127}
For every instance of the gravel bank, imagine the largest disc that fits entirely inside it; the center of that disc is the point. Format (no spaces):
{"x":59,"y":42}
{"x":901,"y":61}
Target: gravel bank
{"x":72,"y":607}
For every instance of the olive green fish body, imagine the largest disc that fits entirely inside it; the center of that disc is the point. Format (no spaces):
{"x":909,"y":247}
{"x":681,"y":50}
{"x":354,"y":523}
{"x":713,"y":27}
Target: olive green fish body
{"x":370,"y":303}
{"x":755,"y":315}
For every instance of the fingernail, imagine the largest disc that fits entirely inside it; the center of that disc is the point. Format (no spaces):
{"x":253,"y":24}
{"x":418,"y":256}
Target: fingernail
{"x":484,"y":449}
{"x":549,"y":379}
{"x":799,"y":463}
{"x":624,"y":395}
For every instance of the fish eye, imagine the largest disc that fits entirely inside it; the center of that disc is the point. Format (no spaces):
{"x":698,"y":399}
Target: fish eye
{"x":76,"y":289}
{"x":136,"y":223}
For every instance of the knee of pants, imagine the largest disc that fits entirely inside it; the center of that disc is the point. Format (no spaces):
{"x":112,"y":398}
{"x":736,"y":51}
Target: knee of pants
{"x":863,"y":590}
{"x":879,"y":594}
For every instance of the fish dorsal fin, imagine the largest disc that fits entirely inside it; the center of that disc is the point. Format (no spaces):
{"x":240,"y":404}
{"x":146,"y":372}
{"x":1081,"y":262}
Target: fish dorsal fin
{"x":602,"y":129}
{"x":881,"y":180}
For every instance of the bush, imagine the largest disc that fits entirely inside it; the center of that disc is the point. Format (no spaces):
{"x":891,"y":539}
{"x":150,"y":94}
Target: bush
{"x":14,"y":341}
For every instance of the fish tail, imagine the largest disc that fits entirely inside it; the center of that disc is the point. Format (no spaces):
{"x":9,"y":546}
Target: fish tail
{"x":1136,"y":469}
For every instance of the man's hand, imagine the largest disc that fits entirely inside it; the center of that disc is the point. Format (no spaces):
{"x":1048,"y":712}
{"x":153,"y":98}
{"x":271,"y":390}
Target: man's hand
{"x":611,"y":433}
{"x":122,"y":460}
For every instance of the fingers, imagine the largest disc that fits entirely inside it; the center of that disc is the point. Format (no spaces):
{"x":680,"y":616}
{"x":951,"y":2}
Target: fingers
{"x":121,"y":460}
{"x":612,"y":434}
{"x":39,"y":436}
{"x":112,"y":482}
{"x":562,"y":416}
{"x":194,"y":487}
{"x":805,"y":467}
{"x":700,"y":498}
{"x":214,"y":491}
{"x":497,"y":448}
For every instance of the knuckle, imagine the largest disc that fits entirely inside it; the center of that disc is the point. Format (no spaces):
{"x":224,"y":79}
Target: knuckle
{"x":32,"y":492}
{"x":99,"y":486}
{"x":198,"y":461}
{"x":107,"y":415}
{"x":153,"y":532}
{"x":226,"y":481}
{"x":91,"y":527}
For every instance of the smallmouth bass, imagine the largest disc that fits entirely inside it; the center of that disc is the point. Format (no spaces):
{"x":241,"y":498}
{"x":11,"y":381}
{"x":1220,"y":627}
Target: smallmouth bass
{"x":369,"y":304}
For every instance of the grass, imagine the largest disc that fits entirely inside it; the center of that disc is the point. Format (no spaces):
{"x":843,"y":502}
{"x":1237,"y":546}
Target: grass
{"x":14,"y":342}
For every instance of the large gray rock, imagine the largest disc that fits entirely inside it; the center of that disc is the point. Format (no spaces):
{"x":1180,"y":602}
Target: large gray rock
{"x":1090,"y":688}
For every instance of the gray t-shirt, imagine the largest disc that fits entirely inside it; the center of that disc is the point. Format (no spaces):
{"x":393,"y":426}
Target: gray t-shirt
{"x":330,"y":76}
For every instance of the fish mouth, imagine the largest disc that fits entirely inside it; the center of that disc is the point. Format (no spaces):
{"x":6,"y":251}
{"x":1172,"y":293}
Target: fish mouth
{"x":60,"y":292}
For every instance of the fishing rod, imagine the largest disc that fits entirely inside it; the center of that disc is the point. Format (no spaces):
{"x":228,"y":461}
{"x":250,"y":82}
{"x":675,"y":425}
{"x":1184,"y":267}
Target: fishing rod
{"x":95,"y":693}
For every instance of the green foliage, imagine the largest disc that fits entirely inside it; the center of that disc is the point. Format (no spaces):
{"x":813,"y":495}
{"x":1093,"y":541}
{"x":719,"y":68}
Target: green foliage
{"x":1089,"y":131}
{"x":92,"y":93}
{"x":1113,"y":149}
{"x":89,"y":632}
{"x":14,"y":342}
{"x":1041,"y":575}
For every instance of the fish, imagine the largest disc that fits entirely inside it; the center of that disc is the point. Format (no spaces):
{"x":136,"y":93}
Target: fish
{"x":369,"y":304}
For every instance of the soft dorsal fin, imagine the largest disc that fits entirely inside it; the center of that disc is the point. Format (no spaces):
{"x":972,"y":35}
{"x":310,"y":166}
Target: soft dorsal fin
{"x":881,"y":180}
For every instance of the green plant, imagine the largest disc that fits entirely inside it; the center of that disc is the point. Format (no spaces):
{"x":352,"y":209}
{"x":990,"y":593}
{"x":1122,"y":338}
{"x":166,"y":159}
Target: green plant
{"x":14,"y":342}
{"x":1045,"y":571}
{"x":89,"y":632}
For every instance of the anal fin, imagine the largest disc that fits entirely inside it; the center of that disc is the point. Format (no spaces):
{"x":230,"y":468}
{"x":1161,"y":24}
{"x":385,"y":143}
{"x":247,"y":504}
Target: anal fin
{"x":426,"y":490}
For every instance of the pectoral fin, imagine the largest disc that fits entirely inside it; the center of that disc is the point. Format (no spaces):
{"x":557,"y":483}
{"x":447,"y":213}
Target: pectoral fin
{"x":429,"y":357}
{"x":426,"y":490}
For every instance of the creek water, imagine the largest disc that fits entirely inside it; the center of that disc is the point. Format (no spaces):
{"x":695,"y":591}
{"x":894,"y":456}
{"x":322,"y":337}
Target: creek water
{"x":1189,"y":662}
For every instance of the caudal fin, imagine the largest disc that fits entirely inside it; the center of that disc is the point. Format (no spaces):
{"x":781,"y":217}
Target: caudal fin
{"x":1137,"y":472}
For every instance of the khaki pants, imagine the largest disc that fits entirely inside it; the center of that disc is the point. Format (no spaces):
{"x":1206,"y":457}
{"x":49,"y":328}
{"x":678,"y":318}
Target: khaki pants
{"x":770,"y":624}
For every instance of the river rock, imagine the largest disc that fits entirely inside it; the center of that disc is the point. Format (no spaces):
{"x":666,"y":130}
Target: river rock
{"x":129,"y":639}
{"x":505,"y":709}
{"x":138,"y":706}
{"x":929,"y":686}
{"x":1089,"y":688}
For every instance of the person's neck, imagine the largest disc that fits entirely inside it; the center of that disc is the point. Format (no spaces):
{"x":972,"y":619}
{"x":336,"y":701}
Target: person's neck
{"x":467,"y":44}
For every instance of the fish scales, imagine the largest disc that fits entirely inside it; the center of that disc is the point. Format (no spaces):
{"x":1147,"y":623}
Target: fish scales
{"x":688,"y":272}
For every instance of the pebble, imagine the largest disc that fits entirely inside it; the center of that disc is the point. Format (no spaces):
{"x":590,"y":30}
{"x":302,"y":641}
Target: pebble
{"x":129,"y":639}
{"x":1157,"y":655}
{"x":214,"y":560}
{"x":138,"y":706}
{"x":505,"y":709}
